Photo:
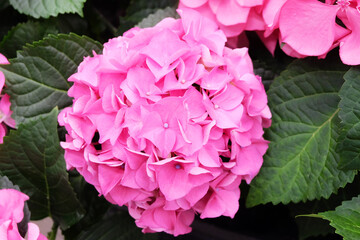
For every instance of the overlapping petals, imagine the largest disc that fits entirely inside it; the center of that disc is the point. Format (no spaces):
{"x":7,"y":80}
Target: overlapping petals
{"x":303,"y":28}
{"x":168,"y":121}
{"x":11,"y":213}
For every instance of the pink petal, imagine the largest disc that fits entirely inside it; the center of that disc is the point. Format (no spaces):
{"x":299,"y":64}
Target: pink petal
{"x":315,"y":35}
{"x":228,"y":12}
{"x":193,"y":3}
{"x":349,"y":46}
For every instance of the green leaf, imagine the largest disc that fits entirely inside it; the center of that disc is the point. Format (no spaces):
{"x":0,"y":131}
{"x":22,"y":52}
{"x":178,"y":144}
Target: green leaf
{"x":32,"y":159}
{"x":140,"y":9}
{"x":346,"y":219}
{"x":301,"y":162}
{"x":37,"y":79}
{"x":45,"y":9}
{"x":24,"y":33}
{"x":119,"y":226}
{"x":349,"y":140}
{"x":95,"y":206}
{"x":136,"y":5}
{"x":156,"y":17}
{"x":310,"y":226}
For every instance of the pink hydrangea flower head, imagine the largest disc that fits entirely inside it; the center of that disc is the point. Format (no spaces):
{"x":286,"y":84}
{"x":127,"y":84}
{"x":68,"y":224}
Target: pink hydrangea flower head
{"x":5,"y":112}
{"x":168,"y":121}
{"x":11,"y":213}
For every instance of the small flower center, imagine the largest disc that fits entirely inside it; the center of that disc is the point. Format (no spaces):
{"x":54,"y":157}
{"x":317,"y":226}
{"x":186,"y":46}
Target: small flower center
{"x":216,"y":106}
{"x":166,"y":125}
{"x":177,"y":166}
{"x":182,"y":81}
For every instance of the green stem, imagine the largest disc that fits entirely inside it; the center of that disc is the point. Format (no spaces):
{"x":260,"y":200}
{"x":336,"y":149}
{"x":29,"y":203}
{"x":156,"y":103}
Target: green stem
{"x":52,"y":234}
{"x":105,"y":21}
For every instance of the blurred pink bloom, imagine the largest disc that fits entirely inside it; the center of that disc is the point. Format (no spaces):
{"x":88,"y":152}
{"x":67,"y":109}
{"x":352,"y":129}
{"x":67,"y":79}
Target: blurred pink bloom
{"x":5,"y":112}
{"x":165,"y":118}
{"x":11,"y":213}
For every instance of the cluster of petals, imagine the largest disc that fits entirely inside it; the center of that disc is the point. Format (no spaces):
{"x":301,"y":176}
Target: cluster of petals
{"x":303,"y":28}
{"x":168,"y":121}
{"x":12,"y":213}
{"x":5,"y":112}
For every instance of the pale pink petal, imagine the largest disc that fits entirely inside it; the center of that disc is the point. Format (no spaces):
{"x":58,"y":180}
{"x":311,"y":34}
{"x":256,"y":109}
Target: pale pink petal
{"x":349,"y":46}
{"x":315,"y":35}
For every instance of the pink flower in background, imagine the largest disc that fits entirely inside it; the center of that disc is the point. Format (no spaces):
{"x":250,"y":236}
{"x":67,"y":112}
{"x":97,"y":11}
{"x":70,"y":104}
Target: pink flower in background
{"x":319,"y":32}
{"x":5,"y":112}
{"x":11,"y":213}
{"x":168,"y":121}
{"x":303,"y":28}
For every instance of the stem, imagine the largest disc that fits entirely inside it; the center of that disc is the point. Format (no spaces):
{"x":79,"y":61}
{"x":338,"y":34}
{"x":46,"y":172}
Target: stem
{"x":105,"y":21}
{"x":52,"y":234}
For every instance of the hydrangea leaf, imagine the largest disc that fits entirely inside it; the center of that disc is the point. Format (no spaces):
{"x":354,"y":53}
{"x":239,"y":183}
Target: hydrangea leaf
{"x":31,"y":157}
{"x":118,"y":226}
{"x":313,"y":226}
{"x":24,"y":33}
{"x":156,"y":17}
{"x":136,"y":5}
{"x":349,"y":140}
{"x":301,"y":162}
{"x":37,"y":79}
{"x":45,"y":9}
{"x":140,"y":9}
{"x":346,"y":219}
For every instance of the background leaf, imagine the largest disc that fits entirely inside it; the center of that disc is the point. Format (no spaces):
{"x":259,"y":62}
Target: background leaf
{"x":45,"y":9}
{"x":301,"y":162}
{"x":349,"y":140}
{"x":32,"y":158}
{"x":157,"y":16}
{"x":140,"y":9}
{"x":37,"y":79}
{"x":346,"y":219}
{"x":116,"y":226}
{"x":312,"y":226}
{"x":24,"y":33}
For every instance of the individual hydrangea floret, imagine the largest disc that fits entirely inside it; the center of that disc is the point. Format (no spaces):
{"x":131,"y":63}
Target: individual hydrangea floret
{"x":5,"y":112}
{"x":11,"y":214}
{"x":168,"y":121}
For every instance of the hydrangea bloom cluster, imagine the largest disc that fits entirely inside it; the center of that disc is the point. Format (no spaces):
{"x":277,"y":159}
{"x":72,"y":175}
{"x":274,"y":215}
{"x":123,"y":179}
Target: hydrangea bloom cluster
{"x":5,"y":112}
{"x":303,"y":28}
{"x":168,"y":121}
{"x":11,"y":213}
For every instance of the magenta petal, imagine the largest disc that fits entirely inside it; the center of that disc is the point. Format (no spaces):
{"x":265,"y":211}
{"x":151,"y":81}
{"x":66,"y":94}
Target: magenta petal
{"x":228,"y":12}
{"x":215,"y":207}
{"x":193,"y":3}
{"x":349,"y":46}
{"x":109,"y":177}
{"x":315,"y":35}
{"x":13,"y":209}
{"x":3,"y":59}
